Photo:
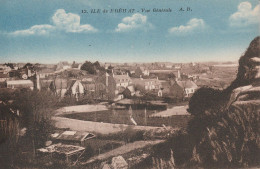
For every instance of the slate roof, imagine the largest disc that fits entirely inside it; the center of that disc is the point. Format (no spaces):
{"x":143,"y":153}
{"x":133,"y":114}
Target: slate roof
{"x":131,"y":89}
{"x":76,"y":136}
{"x":187,"y":84}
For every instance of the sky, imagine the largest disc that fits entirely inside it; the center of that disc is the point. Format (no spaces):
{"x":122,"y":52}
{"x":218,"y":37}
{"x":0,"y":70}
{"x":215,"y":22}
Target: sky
{"x":49,"y":31}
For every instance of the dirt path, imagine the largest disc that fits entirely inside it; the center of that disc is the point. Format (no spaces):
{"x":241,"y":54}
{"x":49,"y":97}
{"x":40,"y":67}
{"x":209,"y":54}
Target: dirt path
{"x":123,"y":150}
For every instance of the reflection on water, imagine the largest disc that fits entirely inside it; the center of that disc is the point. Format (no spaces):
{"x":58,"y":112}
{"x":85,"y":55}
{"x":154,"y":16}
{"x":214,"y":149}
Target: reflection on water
{"x":123,"y":116}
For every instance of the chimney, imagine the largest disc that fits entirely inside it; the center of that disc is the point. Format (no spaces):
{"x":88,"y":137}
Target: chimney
{"x":29,"y":73}
{"x":38,"y":82}
{"x":107,"y":79}
{"x":179,"y":74}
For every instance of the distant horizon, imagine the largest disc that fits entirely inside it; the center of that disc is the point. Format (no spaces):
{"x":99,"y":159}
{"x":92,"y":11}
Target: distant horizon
{"x":70,"y":62}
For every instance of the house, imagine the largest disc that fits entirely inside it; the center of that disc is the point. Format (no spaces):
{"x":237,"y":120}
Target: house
{"x":72,"y":137}
{"x":118,"y":97}
{"x":45,"y":73}
{"x":122,"y":80}
{"x":166,"y":85}
{"x":20,"y":84}
{"x":138,"y":72}
{"x":96,"y":89}
{"x":59,"y":86}
{"x":110,"y":85}
{"x":129,"y":92}
{"x":89,"y":86}
{"x":76,"y":65}
{"x":146,"y":72}
{"x":146,"y":84}
{"x":5,"y":68}
{"x":187,"y":88}
{"x":4,"y":77}
{"x":44,"y":83}
{"x":75,"y":88}
{"x":63,"y":66}
{"x":141,"y":71}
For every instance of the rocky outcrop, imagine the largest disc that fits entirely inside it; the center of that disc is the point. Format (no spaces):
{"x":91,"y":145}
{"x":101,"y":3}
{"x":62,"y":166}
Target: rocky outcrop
{"x":246,"y":87}
{"x":249,"y":66}
{"x":229,"y":132}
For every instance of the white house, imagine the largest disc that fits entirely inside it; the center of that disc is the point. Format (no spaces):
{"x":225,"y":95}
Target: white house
{"x":122,"y":80}
{"x":75,"y":88}
{"x":189,"y":87}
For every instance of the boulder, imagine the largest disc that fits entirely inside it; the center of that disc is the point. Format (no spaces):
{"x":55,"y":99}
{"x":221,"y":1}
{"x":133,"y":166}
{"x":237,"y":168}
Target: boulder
{"x":119,"y":163}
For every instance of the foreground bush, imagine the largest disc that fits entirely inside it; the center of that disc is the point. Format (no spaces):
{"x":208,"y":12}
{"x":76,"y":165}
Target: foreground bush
{"x":232,"y":140}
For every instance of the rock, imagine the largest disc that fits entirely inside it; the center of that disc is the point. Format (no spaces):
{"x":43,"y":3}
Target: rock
{"x":119,"y":163}
{"x":106,"y":166}
{"x":245,"y":93}
{"x":48,"y":143}
{"x":249,"y":66}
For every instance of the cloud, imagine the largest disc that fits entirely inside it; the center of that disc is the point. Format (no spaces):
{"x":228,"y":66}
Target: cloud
{"x":35,"y":30}
{"x":70,"y":22}
{"x":245,"y":15}
{"x":192,"y":25}
{"x":136,"y":21}
{"x":62,"y":21}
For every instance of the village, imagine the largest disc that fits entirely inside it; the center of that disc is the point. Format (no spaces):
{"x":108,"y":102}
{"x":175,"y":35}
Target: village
{"x":109,"y":110}
{"x":115,"y":82}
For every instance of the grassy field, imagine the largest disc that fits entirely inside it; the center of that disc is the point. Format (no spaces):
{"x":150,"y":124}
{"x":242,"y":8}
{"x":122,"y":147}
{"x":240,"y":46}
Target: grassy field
{"x":221,"y":77}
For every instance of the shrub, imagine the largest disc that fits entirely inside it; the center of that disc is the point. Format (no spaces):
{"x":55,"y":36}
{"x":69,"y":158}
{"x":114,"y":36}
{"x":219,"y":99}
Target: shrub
{"x":231,"y":140}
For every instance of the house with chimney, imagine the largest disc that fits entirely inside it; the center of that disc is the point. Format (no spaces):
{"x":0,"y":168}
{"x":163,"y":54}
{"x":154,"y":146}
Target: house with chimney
{"x":110,"y":85}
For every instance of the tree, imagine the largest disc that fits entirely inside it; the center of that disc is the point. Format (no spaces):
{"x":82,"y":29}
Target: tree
{"x":88,"y":66}
{"x":36,"y":109}
{"x":204,"y":99}
{"x":29,"y":65}
{"x":171,"y":76}
{"x":9,"y":65}
{"x":98,"y":66}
